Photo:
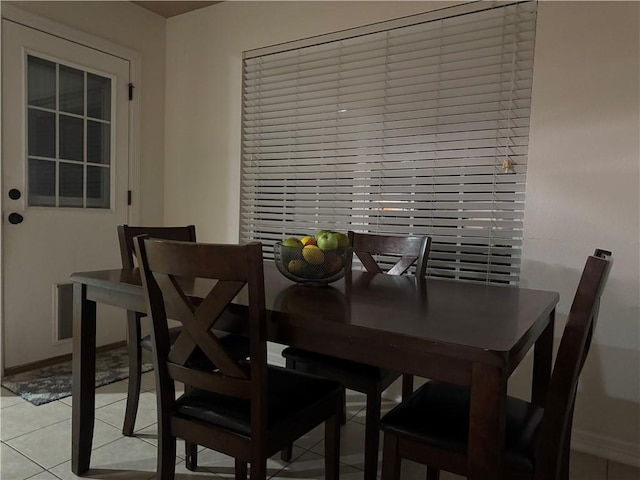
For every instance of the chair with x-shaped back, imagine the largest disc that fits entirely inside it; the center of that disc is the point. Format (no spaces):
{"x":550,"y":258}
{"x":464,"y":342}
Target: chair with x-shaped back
{"x":405,"y":251}
{"x":432,"y":426}
{"x":246,"y":409}
{"x":139,"y":346}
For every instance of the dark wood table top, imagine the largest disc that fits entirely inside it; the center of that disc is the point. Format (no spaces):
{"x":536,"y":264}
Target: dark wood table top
{"x":442,"y":315}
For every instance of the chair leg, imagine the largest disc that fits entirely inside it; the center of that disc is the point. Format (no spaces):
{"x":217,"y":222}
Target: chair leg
{"x":343,"y":407}
{"x":241,"y":470}
{"x":407,"y":385}
{"x":566,"y":449}
{"x":135,"y":372}
{"x":287,"y":452}
{"x":166,"y":456}
{"x":258,"y":469}
{"x":433,"y":473}
{"x":190,"y":448}
{"x":564,"y":460}
{"x":371,"y":436}
{"x":391,"y":460}
{"x":332,"y":448}
{"x":191,"y":452}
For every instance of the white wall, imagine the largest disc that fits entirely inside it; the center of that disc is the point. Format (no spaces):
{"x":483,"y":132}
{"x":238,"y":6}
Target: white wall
{"x":582,"y":186}
{"x":583,"y":193}
{"x":133,"y":27}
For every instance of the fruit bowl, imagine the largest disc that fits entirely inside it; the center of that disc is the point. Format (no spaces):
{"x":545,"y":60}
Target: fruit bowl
{"x":311,"y":265}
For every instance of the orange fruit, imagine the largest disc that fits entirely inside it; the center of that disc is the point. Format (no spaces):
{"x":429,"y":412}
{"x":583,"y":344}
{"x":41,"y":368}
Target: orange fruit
{"x":308,"y":241}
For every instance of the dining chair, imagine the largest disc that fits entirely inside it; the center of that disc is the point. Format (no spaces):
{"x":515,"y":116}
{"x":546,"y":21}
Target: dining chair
{"x":136,"y":343}
{"x":405,"y":251}
{"x":432,"y":426}
{"x":243,"y":408}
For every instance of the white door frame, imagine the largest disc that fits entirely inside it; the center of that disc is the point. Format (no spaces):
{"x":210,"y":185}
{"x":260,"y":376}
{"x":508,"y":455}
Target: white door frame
{"x":51,"y":27}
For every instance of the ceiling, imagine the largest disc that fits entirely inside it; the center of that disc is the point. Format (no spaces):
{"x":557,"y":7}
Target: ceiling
{"x":171,"y":9}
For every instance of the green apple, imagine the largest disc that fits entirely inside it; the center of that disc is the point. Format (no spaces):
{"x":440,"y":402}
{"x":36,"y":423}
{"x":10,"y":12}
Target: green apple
{"x":328,"y":241}
{"x":295,"y":267}
{"x":343,"y":240}
{"x":292,"y":242}
{"x":290,"y":249}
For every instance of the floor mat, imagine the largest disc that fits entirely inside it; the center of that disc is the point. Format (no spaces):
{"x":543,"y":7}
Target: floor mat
{"x":51,"y":383}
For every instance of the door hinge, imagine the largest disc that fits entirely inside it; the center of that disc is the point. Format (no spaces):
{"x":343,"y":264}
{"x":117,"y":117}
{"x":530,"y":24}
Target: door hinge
{"x":131,"y":87}
{"x":128,"y":197}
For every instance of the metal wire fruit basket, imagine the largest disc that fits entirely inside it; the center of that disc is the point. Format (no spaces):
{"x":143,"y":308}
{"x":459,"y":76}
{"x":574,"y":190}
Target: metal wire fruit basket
{"x":310,"y":265}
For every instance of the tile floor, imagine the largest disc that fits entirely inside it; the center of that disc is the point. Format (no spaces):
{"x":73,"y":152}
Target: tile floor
{"x":36,"y":445}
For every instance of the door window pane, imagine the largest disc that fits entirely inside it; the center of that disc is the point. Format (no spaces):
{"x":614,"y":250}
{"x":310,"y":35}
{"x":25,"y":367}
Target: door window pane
{"x":71,"y":183}
{"x":98,"y":187}
{"x":71,"y":138}
{"x":98,"y":97}
{"x":42,"y":183}
{"x":41,"y":133}
{"x":69,"y":122}
{"x":41,"y":82}
{"x":71,"y":90}
{"x":98,"y":142}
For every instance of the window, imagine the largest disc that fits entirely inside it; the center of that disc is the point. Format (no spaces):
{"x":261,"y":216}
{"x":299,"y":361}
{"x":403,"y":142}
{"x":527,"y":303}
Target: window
{"x":68,"y":136}
{"x":415,"y":126}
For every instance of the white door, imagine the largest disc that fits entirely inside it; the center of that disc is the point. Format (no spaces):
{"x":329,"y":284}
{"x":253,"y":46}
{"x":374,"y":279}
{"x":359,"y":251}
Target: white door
{"x":65,"y":161}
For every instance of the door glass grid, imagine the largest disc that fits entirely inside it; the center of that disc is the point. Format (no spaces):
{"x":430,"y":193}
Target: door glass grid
{"x":68,"y":137}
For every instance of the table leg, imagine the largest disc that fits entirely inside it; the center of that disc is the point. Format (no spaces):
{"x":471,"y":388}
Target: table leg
{"x":543,"y":363}
{"x":486,"y":422}
{"x":84,"y":374}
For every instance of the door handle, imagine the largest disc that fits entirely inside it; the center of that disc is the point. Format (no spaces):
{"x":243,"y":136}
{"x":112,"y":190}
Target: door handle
{"x":15,"y":218}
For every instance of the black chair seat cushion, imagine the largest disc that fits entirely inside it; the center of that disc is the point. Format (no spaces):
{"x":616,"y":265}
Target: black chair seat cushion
{"x":437,"y":414}
{"x":290,"y":395}
{"x":332,"y":367}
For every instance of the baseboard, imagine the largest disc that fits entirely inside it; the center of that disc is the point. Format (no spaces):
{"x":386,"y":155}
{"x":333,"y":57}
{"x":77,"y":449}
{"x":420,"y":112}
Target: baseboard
{"x":606,"y":447}
{"x":59,"y":359}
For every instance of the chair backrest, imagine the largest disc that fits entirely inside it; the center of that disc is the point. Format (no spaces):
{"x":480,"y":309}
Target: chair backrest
{"x":410,"y":249}
{"x":576,"y":339}
{"x":126,"y":234}
{"x":168,"y":270}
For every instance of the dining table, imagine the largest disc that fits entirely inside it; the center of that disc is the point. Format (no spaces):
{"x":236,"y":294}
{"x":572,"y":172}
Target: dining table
{"x":462,"y":332}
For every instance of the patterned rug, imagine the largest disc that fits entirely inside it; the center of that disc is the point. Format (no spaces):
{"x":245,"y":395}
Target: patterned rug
{"x":51,"y":383}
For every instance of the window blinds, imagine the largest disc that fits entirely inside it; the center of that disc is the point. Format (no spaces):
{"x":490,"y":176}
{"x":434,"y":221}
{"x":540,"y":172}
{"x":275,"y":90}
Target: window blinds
{"x":419,"y":129}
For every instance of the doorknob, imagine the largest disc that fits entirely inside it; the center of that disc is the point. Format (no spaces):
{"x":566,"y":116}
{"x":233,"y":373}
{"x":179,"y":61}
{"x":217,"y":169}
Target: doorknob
{"x":15,"y":218}
{"x":14,"y":194}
